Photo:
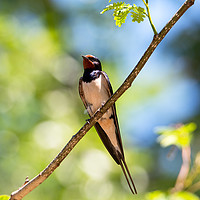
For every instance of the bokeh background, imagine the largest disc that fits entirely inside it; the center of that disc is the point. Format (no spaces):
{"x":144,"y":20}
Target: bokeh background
{"x":41,"y":43}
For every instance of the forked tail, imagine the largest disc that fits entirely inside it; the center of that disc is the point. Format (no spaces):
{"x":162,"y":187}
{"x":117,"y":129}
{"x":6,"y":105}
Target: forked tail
{"x":128,"y":176}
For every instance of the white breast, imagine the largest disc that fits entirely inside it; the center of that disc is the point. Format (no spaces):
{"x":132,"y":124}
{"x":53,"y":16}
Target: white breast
{"x":95,"y":94}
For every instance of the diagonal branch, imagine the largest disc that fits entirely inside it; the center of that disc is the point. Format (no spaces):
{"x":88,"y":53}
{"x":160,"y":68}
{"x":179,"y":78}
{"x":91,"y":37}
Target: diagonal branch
{"x":42,"y":176}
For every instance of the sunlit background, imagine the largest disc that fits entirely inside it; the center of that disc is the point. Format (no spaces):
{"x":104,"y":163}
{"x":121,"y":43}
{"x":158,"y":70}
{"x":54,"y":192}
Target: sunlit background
{"x":41,"y":43}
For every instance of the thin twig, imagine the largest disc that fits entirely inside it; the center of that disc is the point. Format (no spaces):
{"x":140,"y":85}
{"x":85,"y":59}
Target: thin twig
{"x":149,"y":16}
{"x":194,"y":173}
{"x":195,"y":187}
{"x":42,"y":176}
{"x":185,"y":168}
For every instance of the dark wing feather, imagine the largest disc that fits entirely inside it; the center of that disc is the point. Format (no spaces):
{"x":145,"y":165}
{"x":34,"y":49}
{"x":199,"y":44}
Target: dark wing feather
{"x":81,"y":93}
{"x":107,"y":143}
{"x":110,"y":91}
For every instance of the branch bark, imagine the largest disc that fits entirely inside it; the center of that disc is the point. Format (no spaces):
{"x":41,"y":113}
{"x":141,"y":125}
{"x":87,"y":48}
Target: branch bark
{"x":42,"y":176}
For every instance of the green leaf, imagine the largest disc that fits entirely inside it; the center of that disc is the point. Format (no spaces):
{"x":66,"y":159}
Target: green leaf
{"x":112,"y":6}
{"x":138,"y":14}
{"x":4,"y":197}
{"x":156,"y":195}
{"x":179,"y":135}
{"x":121,"y":10}
{"x":183,"y":195}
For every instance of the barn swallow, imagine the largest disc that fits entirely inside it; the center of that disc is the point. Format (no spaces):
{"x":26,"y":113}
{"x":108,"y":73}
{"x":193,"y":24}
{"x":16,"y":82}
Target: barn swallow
{"x":95,"y":89}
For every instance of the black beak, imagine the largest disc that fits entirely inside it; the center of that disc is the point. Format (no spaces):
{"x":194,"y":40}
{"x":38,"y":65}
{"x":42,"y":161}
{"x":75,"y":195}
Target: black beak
{"x":84,"y":57}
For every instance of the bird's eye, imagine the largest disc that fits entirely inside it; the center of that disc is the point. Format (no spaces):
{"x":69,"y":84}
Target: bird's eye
{"x":92,"y":59}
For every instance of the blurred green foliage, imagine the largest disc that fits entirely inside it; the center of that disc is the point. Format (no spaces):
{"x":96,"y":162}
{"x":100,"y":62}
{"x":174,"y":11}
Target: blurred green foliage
{"x":159,"y":195}
{"x":4,"y":197}
{"x":179,"y":135}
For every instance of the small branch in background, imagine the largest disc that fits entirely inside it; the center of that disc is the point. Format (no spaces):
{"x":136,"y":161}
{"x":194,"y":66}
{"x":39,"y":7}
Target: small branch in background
{"x":42,"y":176}
{"x":185,"y":168}
{"x":194,"y":187}
{"x":149,"y":16}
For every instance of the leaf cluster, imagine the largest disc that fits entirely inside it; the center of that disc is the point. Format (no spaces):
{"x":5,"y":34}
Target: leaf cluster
{"x":179,"y":135}
{"x":121,"y":10}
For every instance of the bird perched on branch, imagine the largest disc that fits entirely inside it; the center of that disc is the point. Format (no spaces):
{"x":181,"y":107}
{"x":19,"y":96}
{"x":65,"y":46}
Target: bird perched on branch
{"x":95,"y":89}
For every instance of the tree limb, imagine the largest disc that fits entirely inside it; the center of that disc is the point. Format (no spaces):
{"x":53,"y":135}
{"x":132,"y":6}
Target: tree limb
{"x":42,"y":176}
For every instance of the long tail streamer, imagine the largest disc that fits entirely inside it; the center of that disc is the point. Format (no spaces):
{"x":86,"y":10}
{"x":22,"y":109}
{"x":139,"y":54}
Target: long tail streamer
{"x":128,"y":176}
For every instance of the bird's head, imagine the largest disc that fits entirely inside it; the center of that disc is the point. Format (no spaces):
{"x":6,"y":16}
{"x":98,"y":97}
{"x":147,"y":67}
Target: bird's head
{"x":91,"y":62}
